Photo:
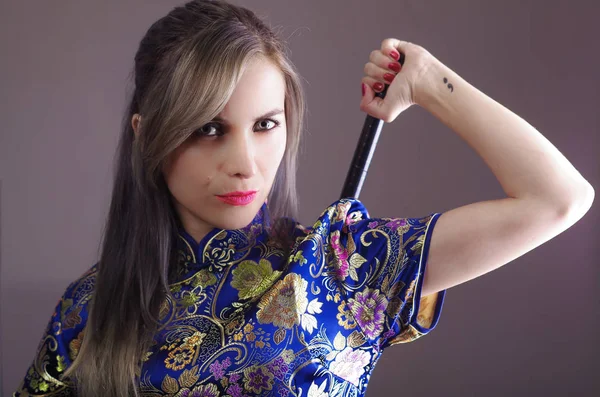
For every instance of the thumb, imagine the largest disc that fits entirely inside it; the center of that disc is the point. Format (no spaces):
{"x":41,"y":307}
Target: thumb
{"x":371,"y":103}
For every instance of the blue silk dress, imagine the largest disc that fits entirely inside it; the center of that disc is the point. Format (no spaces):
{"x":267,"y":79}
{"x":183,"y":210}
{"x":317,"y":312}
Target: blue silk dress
{"x":240,"y":326}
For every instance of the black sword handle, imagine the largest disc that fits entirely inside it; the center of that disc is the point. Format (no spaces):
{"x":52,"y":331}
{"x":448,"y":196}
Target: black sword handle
{"x":364,"y":151}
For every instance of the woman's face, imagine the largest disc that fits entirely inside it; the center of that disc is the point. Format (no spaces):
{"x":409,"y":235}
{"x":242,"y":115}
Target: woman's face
{"x":240,"y":152}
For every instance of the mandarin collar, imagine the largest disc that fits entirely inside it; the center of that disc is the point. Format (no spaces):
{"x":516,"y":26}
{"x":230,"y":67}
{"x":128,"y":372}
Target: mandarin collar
{"x":219,"y":247}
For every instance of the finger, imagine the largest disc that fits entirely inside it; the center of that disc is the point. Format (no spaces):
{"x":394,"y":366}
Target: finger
{"x":384,"y":76}
{"x":370,"y":103}
{"x":374,"y":84}
{"x":391,"y":44}
{"x":385,"y":62}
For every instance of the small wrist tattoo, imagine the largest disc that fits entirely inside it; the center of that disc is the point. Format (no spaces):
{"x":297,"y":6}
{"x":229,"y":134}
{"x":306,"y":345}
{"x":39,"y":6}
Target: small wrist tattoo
{"x":450,"y":86}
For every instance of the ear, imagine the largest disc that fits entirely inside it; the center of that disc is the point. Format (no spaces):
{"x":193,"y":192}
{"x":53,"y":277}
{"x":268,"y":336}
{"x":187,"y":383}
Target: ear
{"x":135,"y":123}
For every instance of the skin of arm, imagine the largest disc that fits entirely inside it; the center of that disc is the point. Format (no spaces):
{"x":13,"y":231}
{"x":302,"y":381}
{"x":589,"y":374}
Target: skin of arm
{"x":525,"y":163}
{"x":545,"y":194}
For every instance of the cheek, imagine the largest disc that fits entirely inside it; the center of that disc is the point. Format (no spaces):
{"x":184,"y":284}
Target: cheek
{"x":281,"y":143}
{"x":186,"y":172}
{"x":275,"y":152}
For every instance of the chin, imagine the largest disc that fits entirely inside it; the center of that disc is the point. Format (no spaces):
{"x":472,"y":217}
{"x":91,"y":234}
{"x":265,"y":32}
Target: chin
{"x":241,"y":218}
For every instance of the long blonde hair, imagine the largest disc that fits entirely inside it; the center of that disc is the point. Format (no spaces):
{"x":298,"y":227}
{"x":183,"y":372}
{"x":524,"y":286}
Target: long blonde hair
{"x":186,"y":68}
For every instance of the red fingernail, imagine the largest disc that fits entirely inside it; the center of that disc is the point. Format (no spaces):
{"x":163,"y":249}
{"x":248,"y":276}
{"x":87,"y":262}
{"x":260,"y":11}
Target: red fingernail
{"x":388,"y":77}
{"x":394,"y":66}
{"x":395,"y":55}
{"x":362,"y":86}
{"x":378,"y":86}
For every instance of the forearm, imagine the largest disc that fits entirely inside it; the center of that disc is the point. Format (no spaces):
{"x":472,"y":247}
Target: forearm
{"x":525,"y":163}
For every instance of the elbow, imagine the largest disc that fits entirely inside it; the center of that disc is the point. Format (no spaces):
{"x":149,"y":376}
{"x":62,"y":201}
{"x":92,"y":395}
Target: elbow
{"x":576,"y":208}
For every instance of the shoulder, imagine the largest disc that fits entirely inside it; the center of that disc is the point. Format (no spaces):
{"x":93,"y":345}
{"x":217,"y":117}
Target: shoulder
{"x":81,"y":288}
{"x":338,"y":215}
{"x":346,"y":210}
{"x":71,"y":313}
{"x":61,"y":341}
{"x":74,"y":302}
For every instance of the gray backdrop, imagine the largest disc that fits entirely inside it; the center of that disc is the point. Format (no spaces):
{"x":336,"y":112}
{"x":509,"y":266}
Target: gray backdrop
{"x":529,"y":328}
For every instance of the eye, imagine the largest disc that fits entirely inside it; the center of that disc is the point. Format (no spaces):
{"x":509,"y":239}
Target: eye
{"x":207,"y":129}
{"x":269,"y":121}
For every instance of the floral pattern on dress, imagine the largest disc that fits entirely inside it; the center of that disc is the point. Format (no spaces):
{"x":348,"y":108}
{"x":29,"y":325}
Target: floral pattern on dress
{"x":244,"y":321}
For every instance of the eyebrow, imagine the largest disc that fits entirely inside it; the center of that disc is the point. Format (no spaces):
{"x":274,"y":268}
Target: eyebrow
{"x":264,"y":116}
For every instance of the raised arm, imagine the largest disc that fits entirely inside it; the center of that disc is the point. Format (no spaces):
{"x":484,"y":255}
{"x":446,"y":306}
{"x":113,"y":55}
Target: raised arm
{"x":545,"y":193}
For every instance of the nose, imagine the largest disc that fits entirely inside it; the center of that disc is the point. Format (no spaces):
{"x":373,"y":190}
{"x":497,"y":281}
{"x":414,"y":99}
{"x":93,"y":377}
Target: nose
{"x":240,"y":155}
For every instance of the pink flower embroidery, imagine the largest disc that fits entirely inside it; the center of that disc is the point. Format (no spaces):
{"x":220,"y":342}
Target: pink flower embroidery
{"x":350,"y":364}
{"x":396,"y":223}
{"x":368,"y":308}
{"x":341,"y":257}
{"x":218,"y":369}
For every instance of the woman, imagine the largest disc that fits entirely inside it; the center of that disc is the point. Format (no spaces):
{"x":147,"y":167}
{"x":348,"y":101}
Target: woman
{"x":206,"y":284}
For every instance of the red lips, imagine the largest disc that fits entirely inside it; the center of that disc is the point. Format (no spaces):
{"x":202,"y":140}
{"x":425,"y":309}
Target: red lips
{"x":238,"y":193}
{"x":238,"y":198}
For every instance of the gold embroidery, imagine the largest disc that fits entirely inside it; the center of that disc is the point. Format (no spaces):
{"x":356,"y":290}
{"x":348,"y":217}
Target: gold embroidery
{"x":344,"y":316}
{"x":182,"y":355}
{"x":283,"y":303}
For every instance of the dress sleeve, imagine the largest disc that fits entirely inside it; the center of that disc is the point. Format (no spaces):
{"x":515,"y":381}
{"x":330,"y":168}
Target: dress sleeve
{"x":56,"y":351}
{"x":379,"y":265}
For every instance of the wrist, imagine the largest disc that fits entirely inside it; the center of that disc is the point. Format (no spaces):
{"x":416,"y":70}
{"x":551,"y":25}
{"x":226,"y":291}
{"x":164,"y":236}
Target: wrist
{"x":438,"y":82}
